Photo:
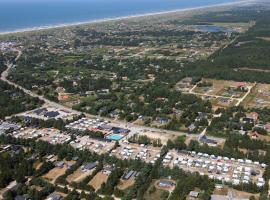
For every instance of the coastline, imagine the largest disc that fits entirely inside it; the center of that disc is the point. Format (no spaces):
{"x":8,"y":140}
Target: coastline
{"x":151,"y":14}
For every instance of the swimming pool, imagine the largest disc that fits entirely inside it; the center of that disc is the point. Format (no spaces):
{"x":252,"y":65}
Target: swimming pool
{"x":115,"y":137}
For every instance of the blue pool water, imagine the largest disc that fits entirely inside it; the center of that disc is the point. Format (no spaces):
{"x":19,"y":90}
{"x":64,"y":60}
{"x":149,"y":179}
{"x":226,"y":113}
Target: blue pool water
{"x":115,"y":137}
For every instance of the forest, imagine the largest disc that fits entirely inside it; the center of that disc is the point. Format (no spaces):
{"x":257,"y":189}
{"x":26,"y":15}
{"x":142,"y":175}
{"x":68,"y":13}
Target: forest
{"x":13,"y":100}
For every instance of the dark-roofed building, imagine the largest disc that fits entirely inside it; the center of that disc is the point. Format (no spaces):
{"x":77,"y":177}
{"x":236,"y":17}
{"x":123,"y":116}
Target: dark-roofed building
{"x":165,"y":183}
{"x":191,"y":127}
{"x":17,"y":149}
{"x":54,"y":196}
{"x":206,"y":140}
{"x":107,"y":169}
{"x":127,"y":175}
{"x":20,"y":197}
{"x":59,"y":164}
{"x":89,"y":166}
{"x":40,"y":110}
{"x":6,"y":126}
{"x":105,"y":127}
{"x":247,"y":120}
{"x":52,"y":114}
{"x":120,"y":130}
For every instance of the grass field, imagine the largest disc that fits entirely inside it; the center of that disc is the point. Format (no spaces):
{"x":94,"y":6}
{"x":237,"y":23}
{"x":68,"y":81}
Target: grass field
{"x":53,"y":174}
{"x":79,"y":175}
{"x":98,"y":180}
{"x":124,"y":184}
{"x":259,"y":97}
{"x":156,"y":194}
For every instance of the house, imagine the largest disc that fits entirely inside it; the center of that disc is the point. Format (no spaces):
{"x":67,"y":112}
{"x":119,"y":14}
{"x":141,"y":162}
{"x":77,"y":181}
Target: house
{"x":16,"y":149}
{"x":247,"y":120}
{"x":118,"y":130}
{"x":54,"y":196}
{"x":59,"y":164}
{"x":191,"y":127}
{"x":40,"y":110}
{"x":89,"y":166}
{"x":107,"y":170}
{"x":6,"y":126}
{"x":127,"y":175}
{"x":49,"y":157}
{"x":253,"y":115}
{"x":201,"y":116}
{"x":162,"y":120}
{"x":51,"y":114}
{"x":255,"y":135}
{"x":206,"y":140}
{"x":194,"y":194}
{"x":166,"y":184}
{"x":75,"y":158}
{"x":114,"y":114}
{"x":219,"y":197}
{"x":27,"y":119}
{"x":267,"y":127}
{"x":105,"y":127}
{"x":20,"y":197}
{"x":241,"y":84}
{"x":13,"y":186}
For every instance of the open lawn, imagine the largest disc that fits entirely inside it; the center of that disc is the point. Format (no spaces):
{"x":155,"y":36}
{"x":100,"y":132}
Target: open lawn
{"x":259,"y":97}
{"x":79,"y":175}
{"x":222,"y":93}
{"x":154,"y":194}
{"x":162,"y":135}
{"x":53,"y":174}
{"x":235,"y":193}
{"x":98,"y":180}
{"x":220,"y":88}
{"x":124,"y":184}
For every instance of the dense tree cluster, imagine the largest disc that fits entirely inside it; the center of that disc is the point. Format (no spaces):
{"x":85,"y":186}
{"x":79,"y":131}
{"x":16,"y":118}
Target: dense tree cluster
{"x":13,"y":100}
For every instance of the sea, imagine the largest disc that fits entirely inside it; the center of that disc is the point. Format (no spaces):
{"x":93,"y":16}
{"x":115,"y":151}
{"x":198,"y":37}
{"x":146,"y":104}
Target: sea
{"x":18,"y":15}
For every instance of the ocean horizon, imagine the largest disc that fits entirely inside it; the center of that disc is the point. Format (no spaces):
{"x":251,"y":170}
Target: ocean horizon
{"x":20,"y":15}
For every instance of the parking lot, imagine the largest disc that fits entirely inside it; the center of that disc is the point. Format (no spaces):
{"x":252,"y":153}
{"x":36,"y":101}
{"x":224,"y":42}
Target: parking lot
{"x":135,"y":151}
{"x":98,"y":125}
{"x":95,"y":145}
{"x":231,"y":170}
{"x":5,"y":126}
{"x":48,"y":112}
{"x":51,"y":135}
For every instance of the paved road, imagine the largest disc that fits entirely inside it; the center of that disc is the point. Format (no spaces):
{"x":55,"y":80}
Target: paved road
{"x":134,"y":128}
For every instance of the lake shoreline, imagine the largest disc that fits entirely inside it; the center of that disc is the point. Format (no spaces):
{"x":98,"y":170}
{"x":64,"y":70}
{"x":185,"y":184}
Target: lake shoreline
{"x":104,"y":20}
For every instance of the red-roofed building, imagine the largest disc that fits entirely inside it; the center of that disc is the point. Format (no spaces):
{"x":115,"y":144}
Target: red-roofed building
{"x":255,"y":135}
{"x":241,"y":84}
{"x":253,"y":115}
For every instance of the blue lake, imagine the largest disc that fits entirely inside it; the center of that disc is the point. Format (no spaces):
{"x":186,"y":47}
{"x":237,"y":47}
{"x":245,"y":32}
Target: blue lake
{"x":213,"y":28}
